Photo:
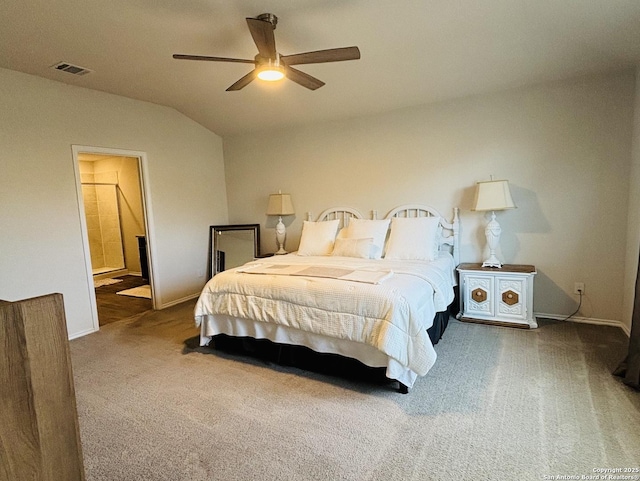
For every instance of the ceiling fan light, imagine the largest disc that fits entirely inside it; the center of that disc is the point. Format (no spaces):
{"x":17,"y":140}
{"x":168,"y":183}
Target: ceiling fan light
{"x":271,"y":74}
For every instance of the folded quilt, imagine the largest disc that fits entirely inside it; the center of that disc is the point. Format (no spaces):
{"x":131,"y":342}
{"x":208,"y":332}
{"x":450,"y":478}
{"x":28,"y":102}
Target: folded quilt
{"x":346,"y":274}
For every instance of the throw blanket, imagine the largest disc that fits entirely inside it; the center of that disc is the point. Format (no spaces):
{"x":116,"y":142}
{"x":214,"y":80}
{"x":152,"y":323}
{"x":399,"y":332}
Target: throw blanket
{"x":356,"y":275}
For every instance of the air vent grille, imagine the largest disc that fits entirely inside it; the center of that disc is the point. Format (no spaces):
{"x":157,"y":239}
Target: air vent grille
{"x":70,"y":68}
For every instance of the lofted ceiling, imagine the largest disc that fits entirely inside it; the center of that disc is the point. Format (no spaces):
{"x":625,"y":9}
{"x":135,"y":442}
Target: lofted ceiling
{"x":413,"y":52}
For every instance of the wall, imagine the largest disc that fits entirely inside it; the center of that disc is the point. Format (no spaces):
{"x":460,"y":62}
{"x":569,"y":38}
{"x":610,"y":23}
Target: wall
{"x":41,"y":249}
{"x":565,"y":147}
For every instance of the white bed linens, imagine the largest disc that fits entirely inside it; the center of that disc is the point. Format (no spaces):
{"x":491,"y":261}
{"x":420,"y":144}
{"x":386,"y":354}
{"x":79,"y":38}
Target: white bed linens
{"x":392,"y":317}
{"x":313,"y":270}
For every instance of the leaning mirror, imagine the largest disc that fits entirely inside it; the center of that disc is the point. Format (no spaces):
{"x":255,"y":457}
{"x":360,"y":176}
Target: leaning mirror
{"x":232,"y":245}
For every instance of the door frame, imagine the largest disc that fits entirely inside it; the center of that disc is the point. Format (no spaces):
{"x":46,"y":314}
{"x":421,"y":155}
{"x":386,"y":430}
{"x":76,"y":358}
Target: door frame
{"x":146,"y":208}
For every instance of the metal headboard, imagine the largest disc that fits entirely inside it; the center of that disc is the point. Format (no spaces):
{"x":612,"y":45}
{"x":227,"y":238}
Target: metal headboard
{"x":343,"y":214}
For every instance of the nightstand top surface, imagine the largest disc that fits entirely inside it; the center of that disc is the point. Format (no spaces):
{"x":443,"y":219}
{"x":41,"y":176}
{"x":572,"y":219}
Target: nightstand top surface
{"x":521,"y":268}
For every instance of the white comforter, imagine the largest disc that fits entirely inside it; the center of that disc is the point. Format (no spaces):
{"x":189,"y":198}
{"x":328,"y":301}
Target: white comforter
{"x":393,"y":316}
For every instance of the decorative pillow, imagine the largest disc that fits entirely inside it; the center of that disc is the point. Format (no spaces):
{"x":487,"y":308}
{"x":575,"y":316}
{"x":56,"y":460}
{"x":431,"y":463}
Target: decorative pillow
{"x":353,"y":247}
{"x":413,"y":238}
{"x":365,"y":229}
{"x":317,"y":238}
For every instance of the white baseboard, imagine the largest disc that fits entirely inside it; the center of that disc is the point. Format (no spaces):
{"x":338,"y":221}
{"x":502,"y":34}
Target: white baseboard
{"x":178,"y":301}
{"x":110,"y":274}
{"x":76,"y":335}
{"x":587,"y":320}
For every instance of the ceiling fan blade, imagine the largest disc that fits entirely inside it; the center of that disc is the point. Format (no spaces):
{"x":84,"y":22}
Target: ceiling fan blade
{"x":180,"y":56}
{"x":303,"y":79}
{"x":321,"y":56}
{"x":243,"y":82}
{"x":262,"y":33}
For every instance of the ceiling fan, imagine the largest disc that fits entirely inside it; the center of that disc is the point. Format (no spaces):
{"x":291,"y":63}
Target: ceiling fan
{"x":270,"y":65}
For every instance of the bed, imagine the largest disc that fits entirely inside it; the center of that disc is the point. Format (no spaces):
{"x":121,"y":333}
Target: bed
{"x":374,"y":290}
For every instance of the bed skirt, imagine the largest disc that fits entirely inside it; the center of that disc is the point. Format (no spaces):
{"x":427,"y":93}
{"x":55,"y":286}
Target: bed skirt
{"x":327,"y":360}
{"x":440,"y":323}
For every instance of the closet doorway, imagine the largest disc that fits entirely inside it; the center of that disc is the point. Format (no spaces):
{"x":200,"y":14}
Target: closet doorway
{"x":111,"y":195}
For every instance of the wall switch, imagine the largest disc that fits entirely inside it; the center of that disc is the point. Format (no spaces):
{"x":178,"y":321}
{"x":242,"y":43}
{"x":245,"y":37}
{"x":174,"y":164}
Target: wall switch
{"x":200,"y":272}
{"x":578,"y":288}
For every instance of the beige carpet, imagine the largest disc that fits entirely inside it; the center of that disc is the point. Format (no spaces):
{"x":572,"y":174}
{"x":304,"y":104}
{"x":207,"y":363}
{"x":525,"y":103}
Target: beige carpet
{"x":500,"y":404}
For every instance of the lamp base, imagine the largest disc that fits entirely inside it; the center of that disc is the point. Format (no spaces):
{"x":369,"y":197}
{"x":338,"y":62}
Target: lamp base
{"x":281,"y":235}
{"x":492,"y":261}
{"x":492,"y":232}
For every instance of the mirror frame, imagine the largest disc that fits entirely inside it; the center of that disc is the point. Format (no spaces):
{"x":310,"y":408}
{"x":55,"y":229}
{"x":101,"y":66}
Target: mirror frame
{"x":213,"y":232}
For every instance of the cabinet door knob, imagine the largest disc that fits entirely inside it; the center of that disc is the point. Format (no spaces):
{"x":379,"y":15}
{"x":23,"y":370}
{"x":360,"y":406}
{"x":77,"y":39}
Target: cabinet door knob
{"x":479,"y":295}
{"x":510,"y":298}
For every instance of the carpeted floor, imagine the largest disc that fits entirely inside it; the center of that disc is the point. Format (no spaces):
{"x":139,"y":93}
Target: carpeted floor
{"x":500,"y":404}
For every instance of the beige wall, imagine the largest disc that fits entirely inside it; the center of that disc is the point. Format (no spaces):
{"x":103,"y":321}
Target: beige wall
{"x":565,"y":147}
{"x":42,"y":248}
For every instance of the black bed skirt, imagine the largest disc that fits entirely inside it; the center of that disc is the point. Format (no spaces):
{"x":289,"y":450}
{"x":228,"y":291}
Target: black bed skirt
{"x":304,"y":358}
{"x":440,"y":323}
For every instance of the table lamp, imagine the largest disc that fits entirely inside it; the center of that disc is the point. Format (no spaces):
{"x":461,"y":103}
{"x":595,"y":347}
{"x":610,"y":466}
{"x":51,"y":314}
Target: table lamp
{"x":280,"y":204}
{"x":493,"y":195}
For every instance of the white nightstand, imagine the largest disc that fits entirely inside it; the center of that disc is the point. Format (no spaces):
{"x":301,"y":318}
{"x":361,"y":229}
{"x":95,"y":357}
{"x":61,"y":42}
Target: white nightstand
{"x":497,"y":296}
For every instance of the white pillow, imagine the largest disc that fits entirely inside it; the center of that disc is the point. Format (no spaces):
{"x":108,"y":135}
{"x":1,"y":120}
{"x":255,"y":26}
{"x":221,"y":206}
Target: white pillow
{"x":413,"y":238}
{"x":353,"y":247}
{"x":318,"y":237}
{"x":365,"y":229}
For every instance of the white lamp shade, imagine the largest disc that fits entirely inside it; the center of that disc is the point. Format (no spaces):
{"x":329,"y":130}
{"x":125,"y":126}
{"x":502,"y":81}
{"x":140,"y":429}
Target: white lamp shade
{"x":280,"y":204}
{"x":493,"y":195}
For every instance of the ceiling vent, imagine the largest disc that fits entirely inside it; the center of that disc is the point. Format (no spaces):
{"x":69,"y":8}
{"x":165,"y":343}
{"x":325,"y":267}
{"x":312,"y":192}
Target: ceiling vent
{"x":72,"y":69}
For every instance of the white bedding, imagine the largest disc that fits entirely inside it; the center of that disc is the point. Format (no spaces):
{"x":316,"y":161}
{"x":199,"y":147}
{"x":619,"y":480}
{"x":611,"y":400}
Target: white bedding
{"x":391,"y":316}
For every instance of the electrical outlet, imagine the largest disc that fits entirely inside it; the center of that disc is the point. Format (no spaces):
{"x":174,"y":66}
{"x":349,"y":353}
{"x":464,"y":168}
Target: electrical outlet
{"x":578,"y":288}
{"x":200,"y":273}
